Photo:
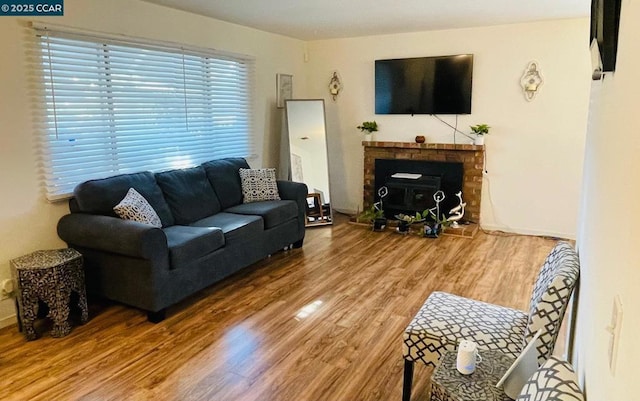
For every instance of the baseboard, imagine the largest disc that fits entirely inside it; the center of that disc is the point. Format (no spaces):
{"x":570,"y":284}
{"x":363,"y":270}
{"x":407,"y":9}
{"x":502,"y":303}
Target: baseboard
{"x":528,"y":231}
{"x":8,"y":321}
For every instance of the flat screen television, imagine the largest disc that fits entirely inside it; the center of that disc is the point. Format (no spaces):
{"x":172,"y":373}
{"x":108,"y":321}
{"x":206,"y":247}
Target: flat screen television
{"x":424,"y":85}
{"x":605,"y":24}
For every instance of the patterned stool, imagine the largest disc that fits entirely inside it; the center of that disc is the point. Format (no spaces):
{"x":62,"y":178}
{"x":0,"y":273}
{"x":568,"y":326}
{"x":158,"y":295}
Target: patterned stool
{"x":49,"y":276}
{"x":447,"y":384}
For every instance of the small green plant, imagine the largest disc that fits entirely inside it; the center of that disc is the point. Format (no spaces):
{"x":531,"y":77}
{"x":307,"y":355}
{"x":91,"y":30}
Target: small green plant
{"x":370,"y":214}
{"x":409,"y":218}
{"x":369,"y":126}
{"x":480,"y":129}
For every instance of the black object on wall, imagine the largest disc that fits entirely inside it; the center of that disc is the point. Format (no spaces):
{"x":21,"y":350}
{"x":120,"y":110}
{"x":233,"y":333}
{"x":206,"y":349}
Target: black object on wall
{"x":424,"y":85}
{"x":605,"y":25}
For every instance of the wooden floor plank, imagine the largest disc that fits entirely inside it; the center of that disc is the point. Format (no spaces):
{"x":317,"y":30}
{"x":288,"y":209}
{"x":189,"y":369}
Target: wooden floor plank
{"x":323,"y":322}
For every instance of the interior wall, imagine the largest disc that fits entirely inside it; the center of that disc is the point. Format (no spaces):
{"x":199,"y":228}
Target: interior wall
{"x":534,"y":150}
{"x":27,"y":221}
{"x":608,"y":239}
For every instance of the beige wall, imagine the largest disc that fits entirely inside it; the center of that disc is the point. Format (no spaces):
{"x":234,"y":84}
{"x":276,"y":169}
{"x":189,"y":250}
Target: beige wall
{"x":535,"y":150}
{"x":27,"y":221}
{"x":608,"y":237}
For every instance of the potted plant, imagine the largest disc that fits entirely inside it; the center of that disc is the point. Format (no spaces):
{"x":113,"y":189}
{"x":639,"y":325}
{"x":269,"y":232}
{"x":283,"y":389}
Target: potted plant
{"x":480,"y":131}
{"x":405,"y":221}
{"x":375,"y":216}
{"x":368,"y":127}
{"x":433,"y":225}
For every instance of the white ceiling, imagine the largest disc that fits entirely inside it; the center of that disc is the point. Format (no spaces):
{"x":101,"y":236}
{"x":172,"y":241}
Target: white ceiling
{"x":326,"y":19}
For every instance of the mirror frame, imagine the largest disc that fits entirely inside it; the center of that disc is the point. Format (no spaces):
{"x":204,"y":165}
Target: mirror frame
{"x":326,"y":145}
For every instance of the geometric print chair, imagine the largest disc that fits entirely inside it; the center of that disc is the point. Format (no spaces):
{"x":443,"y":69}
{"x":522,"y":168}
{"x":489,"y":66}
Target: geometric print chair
{"x":554,"y":381}
{"x":446,"y":319}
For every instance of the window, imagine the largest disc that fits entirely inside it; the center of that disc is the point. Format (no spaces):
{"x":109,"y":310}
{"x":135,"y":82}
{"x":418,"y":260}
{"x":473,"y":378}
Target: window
{"x":113,"y":106}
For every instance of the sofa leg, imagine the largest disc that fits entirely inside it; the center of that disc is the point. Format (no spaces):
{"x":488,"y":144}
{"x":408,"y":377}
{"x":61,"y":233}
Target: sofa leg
{"x":157,"y":317}
{"x":298,"y":244}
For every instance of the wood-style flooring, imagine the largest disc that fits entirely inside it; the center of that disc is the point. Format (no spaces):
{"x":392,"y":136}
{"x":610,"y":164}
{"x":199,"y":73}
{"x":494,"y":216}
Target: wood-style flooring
{"x":321,"y":323}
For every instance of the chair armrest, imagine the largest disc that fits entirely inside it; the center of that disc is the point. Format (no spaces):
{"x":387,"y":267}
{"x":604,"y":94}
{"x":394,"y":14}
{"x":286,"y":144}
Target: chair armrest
{"x":112,"y":234}
{"x":292,"y":190}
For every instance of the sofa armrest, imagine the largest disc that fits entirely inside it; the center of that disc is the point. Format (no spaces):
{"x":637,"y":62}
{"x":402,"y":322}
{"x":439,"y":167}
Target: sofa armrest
{"x":113,"y":235}
{"x":292,"y":190}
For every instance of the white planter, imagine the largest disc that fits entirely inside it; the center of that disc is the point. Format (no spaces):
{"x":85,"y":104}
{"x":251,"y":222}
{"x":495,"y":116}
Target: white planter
{"x":479,"y":140}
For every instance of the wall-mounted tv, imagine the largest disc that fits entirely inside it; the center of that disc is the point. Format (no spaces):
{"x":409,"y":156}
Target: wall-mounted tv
{"x":424,"y":85}
{"x":605,"y":23}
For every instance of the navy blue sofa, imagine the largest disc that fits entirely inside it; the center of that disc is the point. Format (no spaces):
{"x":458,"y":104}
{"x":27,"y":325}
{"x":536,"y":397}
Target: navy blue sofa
{"x":207,"y":232}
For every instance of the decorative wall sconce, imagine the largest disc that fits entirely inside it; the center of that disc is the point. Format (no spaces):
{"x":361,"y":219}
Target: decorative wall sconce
{"x":335,"y":85}
{"x":531,"y":81}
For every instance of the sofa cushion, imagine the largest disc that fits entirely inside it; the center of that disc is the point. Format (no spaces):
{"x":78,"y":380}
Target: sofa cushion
{"x":272,"y":212}
{"x":258,"y":184}
{"x":187,"y":244}
{"x":225,"y":179}
{"x":234,"y":226}
{"x":100,"y":196}
{"x":135,"y":207}
{"x":189,"y":194}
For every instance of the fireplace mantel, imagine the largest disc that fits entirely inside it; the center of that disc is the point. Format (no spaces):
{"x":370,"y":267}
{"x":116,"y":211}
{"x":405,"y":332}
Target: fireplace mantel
{"x":471,"y":156}
{"x":431,"y":146}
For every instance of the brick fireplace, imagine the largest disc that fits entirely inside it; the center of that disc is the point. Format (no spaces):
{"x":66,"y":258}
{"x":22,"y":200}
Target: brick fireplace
{"x":470,"y":156}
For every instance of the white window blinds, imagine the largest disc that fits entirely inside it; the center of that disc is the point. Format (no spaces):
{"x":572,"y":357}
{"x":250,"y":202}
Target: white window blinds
{"x":109,"y":107}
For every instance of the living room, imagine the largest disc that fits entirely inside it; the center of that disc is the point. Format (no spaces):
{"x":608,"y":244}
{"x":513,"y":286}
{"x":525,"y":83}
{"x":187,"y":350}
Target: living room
{"x":554,"y":165}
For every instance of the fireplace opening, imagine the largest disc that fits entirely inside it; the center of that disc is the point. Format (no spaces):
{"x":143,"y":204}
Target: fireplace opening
{"x":411,"y":184}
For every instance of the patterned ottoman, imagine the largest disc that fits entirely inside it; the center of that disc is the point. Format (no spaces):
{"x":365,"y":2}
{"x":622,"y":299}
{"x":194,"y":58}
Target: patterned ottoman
{"x":447,"y":384}
{"x":49,"y":276}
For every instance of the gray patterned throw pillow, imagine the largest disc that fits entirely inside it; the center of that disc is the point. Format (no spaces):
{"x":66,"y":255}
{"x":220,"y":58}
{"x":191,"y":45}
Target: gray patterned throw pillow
{"x":259,"y":184}
{"x":135,"y":207}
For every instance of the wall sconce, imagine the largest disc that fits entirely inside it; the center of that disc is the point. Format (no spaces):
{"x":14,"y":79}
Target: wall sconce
{"x":335,"y":85}
{"x":531,"y":81}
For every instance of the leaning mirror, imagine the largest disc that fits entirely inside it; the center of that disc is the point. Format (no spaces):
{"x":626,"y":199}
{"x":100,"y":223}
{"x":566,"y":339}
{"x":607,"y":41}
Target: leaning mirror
{"x":308,"y":155}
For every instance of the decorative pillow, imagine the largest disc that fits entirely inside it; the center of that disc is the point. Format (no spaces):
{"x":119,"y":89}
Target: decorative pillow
{"x":555,"y":380}
{"x":135,"y":207}
{"x":259,"y":184}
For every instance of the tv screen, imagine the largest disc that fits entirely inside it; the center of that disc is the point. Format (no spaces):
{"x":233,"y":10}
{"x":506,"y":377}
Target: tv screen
{"x":424,"y":85}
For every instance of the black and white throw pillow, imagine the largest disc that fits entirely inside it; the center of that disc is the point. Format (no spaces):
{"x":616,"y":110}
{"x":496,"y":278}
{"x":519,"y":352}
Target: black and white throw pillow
{"x":135,"y":207}
{"x":259,"y":184}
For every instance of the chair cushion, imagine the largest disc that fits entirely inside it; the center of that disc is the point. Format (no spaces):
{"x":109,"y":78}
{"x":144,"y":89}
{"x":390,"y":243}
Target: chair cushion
{"x":555,"y":380}
{"x":135,"y":207}
{"x":445,"y":319}
{"x":225,"y":179}
{"x":187,"y":244}
{"x":273,"y":213}
{"x":100,"y":196}
{"x":550,"y":297}
{"x":234,"y":226}
{"x":189,"y":194}
{"x":258,"y":184}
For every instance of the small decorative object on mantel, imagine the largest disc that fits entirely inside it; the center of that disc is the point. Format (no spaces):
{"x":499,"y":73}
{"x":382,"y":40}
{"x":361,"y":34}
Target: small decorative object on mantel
{"x":457,"y":212}
{"x":335,"y":85}
{"x":531,"y":80}
{"x":479,"y":131}
{"x":420,"y":139}
{"x":368,"y":127}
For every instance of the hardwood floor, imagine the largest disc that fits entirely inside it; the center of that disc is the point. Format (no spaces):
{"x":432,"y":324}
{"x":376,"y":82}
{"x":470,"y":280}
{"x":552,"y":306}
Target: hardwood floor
{"x":322,"y":323}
